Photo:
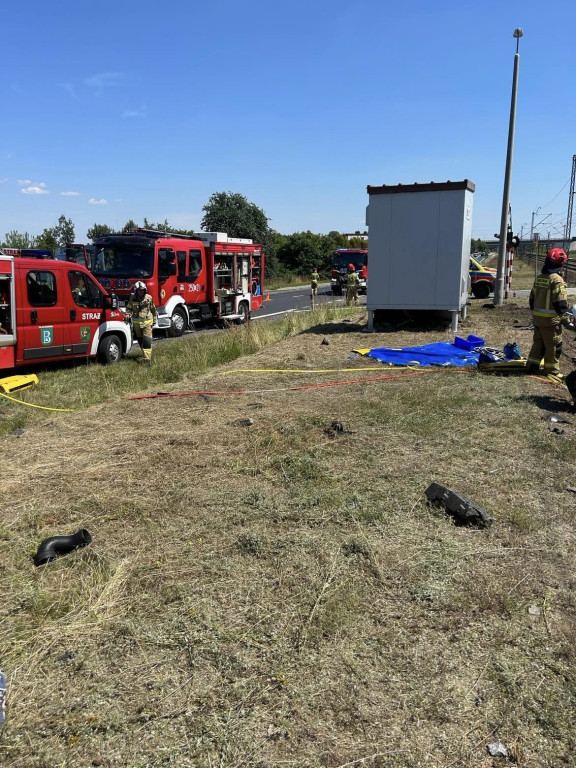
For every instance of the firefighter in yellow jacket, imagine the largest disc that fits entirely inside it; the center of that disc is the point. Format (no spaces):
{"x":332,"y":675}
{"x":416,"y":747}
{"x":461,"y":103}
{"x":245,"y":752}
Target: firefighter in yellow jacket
{"x":352,"y":285}
{"x":549,"y":305}
{"x":314,"y":278}
{"x":142,"y":310}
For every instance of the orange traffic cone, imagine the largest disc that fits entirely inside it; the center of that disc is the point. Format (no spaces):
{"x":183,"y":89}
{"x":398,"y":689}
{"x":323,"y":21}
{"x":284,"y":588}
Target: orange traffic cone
{"x":267,"y":297}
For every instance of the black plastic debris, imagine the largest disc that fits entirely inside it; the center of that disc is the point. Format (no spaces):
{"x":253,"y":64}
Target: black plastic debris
{"x":463,"y":510}
{"x":56,"y":546}
{"x":570,"y":382}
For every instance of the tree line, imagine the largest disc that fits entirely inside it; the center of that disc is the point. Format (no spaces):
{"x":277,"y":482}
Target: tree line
{"x":230,"y":212}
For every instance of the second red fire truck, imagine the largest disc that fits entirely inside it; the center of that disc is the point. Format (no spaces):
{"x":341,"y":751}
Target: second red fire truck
{"x":341,"y":258}
{"x":192,"y":278}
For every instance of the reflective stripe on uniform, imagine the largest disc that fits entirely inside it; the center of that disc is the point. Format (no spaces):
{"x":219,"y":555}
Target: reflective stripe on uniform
{"x":537,"y":312}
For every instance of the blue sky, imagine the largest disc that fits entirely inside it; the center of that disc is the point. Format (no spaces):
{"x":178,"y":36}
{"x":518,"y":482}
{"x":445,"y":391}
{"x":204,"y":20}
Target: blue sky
{"x":124,"y":109}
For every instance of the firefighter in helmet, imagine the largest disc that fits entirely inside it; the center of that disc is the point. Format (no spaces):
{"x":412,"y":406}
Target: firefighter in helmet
{"x":314,"y":278}
{"x":352,"y":285}
{"x":142,"y":310}
{"x":549,"y":305}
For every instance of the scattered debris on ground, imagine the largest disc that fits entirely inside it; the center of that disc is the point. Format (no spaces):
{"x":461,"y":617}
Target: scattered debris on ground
{"x":462,"y":509}
{"x":56,"y":546}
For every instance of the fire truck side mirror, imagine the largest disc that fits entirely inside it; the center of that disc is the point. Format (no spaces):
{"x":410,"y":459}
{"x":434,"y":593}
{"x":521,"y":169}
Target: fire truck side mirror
{"x":110,"y":302}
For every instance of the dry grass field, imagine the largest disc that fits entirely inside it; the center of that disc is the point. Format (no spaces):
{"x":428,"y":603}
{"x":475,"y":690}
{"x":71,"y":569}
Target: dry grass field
{"x":281,"y":594}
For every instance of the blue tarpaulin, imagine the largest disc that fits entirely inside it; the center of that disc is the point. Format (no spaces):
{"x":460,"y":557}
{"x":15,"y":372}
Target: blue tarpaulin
{"x":439,"y":353}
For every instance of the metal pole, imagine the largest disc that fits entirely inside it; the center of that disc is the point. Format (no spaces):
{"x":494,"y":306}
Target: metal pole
{"x":499,"y":282}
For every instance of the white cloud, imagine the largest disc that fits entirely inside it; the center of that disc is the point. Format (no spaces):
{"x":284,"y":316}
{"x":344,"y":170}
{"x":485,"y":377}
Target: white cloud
{"x":23,"y":182}
{"x":94,"y":201}
{"x":35,"y":189}
{"x":106,"y":80}
{"x":3,"y":181}
{"x":70,"y":194}
{"x":142,"y":112}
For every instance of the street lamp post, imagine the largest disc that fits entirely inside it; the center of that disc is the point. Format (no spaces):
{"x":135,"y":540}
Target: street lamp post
{"x":499,"y":282}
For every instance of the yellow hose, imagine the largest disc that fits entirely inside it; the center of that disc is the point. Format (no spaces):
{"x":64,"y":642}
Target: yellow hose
{"x":31,"y":405}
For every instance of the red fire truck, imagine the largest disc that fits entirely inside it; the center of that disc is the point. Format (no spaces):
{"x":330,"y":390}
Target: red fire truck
{"x":341,"y":258}
{"x":76,"y":252}
{"x":192,"y":278}
{"x":55,"y":310}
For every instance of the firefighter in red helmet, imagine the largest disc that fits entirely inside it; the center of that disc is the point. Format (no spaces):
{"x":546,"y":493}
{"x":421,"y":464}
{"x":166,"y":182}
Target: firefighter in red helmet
{"x":549,"y":305}
{"x":352,"y":285}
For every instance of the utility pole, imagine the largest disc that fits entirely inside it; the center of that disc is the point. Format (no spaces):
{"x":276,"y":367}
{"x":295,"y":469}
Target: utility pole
{"x":532,"y":227}
{"x":568,"y":230}
{"x":499,"y":282}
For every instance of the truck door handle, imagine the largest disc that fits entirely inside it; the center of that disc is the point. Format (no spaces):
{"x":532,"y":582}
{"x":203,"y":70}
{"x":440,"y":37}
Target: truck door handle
{"x":33,"y":316}
{"x":72,"y":315}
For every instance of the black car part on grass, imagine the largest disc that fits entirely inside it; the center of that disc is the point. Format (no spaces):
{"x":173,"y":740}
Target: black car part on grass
{"x":56,"y":546}
{"x":463,"y":510}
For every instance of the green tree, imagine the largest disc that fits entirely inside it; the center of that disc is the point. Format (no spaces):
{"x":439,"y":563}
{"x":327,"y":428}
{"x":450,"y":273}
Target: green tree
{"x":64,"y":231}
{"x":48,"y":239}
{"x":355,"y":242}
{"x":231,"y":212}
{"x":302,"y":251}
{"x":14,"y":239}
{"x":98,"y":230}
{"x":59,"y":235}
{"x":164,"y":226}
{"x":477,"y":245}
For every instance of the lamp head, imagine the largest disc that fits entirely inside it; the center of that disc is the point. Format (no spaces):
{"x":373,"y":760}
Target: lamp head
{"x":518,"y":33}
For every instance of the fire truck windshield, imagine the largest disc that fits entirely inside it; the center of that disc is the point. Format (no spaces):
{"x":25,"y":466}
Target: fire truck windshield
{"x":341,"y":260}
{"x":123,"y":262}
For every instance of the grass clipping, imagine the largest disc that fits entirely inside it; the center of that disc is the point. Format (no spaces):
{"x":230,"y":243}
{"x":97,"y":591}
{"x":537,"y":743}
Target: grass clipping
{"x":280,"y":594}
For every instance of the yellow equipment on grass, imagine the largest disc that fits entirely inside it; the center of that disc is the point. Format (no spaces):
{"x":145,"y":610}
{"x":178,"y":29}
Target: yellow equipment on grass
{"x":504,"y":367}
{"x":15,"y":383}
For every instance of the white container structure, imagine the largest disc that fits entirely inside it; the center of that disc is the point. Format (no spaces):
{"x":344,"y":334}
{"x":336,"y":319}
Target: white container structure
{"x":419,"y":247}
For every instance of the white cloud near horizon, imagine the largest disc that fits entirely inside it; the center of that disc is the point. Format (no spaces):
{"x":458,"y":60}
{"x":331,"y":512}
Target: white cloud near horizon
{"x":101,"y":201}
{"x":35,"y":189}
{"x":70,"y":194}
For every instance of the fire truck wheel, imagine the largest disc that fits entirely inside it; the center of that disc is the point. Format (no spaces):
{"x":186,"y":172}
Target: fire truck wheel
{"x":481,"y":290}
{"x":244,"y":311}
{"x":110,"y":350}
{"x":179,"y":323}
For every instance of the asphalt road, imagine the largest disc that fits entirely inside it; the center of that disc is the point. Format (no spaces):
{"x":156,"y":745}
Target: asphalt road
{"x":285,"y":300}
